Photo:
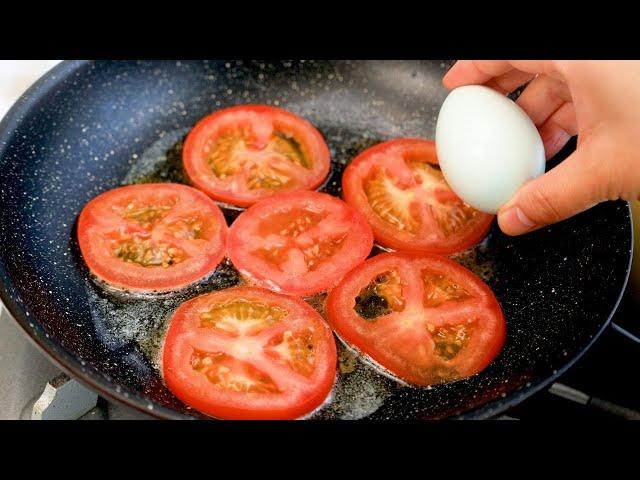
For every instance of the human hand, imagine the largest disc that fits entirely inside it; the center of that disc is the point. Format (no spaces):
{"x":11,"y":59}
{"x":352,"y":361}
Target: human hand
{"x":597,"y":100}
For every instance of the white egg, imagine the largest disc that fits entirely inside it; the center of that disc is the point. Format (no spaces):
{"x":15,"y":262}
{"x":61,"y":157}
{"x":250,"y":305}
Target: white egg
{"x":487,"y":146}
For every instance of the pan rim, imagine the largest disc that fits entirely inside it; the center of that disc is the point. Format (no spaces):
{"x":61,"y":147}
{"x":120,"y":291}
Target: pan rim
{"x":126,"y":396}
{"x":33,"y":330}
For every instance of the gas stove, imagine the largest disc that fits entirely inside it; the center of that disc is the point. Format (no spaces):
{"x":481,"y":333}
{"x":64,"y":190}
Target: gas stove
{"x":597,"y":387}
{"x":31,"y":387}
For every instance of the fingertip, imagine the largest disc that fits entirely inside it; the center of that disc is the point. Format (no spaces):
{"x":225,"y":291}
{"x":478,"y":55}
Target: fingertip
{"x":512,"y":221}
{"x":447,"y":82}
{"x":574,"y":185}
{"x":456,"y":75}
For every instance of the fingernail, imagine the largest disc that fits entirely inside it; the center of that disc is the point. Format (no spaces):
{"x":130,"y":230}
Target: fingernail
{"x":513,"y":221}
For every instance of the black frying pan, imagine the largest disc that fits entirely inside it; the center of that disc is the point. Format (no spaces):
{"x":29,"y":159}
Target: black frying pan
{"x":86,"y":127}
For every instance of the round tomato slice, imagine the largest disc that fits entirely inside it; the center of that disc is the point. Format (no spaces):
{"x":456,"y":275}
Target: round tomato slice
{"x":425,"y":319}
{"x":299,"y":243}
{"x":152,"y":237}
{"x":249,"y":353}
{"x":243,"y":154}
{"x":399,"y":187}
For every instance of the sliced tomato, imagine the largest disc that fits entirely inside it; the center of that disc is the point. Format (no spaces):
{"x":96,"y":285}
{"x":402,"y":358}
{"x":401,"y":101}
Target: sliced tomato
{"x":249,"y":353}
{"x":299,"y":243}
{"x":399,"y":187}
{"x":245,"y":153}
{"x":152,"y":237}
{"x":424,"y":318}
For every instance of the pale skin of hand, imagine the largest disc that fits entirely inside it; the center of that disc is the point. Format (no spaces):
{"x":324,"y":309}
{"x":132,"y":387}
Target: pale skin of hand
{"x":597,"y":100}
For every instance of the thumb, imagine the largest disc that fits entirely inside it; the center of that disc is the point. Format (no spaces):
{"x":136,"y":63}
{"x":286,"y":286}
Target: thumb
{"x":573,"y":186}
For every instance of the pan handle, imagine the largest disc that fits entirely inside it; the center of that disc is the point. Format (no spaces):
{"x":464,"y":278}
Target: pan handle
{"x":624,"y":332}
{"x":563,"y":391}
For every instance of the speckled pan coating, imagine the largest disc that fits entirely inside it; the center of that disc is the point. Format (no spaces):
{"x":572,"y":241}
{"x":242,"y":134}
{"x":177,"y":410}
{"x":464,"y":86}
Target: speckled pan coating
{"x":84,"y":127}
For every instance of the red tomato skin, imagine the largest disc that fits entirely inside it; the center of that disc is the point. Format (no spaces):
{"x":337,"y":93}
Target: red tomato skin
{"x":312,"y":283}
{"x":199,"y":393}
{"x":135,"y":278}
{"x":191,"y":155}
{"x":340,"y":314}
{"x":384,"y":234}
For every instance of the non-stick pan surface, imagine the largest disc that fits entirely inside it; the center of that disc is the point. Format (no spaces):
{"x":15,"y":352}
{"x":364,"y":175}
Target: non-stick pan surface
{"x":86,"y":127}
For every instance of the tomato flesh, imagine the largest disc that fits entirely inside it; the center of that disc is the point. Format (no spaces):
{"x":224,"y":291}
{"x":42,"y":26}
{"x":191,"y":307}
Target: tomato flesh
{"x":243,"y":154}
{"x":398,"y":186}
{"x":249,"y":353}
{"x":152,"y":237}
{"x":424,"y":318}
{"x":299,"y":243}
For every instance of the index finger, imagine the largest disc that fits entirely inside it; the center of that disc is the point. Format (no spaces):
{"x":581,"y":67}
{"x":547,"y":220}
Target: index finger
{"x":473,"y":72}
{"x":470,"y":72}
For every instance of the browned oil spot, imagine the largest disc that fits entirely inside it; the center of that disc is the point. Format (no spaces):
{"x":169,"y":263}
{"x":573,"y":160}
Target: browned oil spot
{"x":347,"y":361}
